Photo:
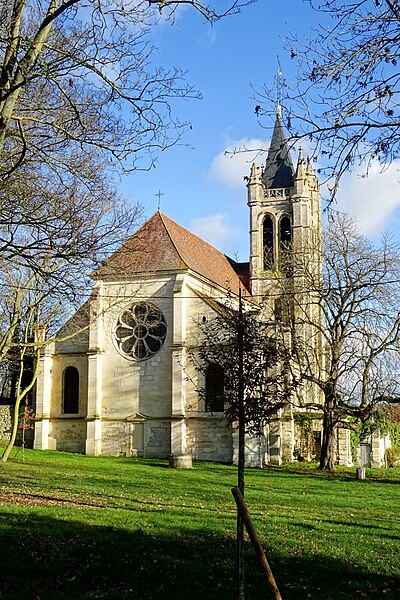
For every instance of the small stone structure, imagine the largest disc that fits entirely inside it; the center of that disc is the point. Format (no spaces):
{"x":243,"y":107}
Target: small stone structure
{"x":372,"y":450}
{"x":183,"y":461}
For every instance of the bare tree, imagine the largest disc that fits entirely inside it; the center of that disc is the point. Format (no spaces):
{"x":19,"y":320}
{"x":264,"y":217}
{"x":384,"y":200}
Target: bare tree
{"x":25,"y":364}
{"x":355,"y":314}
{"x":346,"y":98}
{"x":78,"y":77}
{"x":245,"y":374}
{"x":81,"y":96}
{"x":50,"y":239}
{"x":204,"y":8}
{"x":53,"y":237}
{"x":266,"y":388}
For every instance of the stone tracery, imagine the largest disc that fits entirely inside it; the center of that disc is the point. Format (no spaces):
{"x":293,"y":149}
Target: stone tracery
{"x":140,"y":331}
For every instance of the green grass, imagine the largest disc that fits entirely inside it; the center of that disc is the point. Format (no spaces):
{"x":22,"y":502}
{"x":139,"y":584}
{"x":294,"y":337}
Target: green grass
{"x":80,"y":527}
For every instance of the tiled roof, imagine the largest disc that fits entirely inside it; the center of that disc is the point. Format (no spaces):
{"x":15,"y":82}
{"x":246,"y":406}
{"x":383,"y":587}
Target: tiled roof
{"x":163,"y":245}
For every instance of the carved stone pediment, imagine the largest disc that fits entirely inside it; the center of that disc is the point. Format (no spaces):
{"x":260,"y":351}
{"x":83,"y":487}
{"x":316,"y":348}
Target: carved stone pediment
{"x":136,"y":418}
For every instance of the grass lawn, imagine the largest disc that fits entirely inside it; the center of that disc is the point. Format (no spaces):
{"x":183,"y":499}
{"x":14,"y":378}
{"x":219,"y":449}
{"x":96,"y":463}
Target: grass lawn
{"x":78,"y":527}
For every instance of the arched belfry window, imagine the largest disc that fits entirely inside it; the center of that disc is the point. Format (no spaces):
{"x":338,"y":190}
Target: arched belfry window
{"x":214,"y":388}
{"x":268,"y":243}
{"x":71,"y":391}
{"x":285,"y":245}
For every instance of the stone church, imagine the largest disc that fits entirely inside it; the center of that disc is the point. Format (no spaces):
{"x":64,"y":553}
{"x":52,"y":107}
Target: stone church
{"x":120,"y":386}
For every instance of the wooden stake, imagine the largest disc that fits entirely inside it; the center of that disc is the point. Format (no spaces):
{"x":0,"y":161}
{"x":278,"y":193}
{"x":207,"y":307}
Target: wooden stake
{"x":242,"y":508}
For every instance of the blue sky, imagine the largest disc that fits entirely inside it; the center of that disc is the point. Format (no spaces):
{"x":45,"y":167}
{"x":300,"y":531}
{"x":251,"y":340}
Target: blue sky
{"x":204,"y":190}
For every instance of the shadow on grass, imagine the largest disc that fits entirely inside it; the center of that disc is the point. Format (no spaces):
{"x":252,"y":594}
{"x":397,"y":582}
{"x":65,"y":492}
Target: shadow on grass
{"x":46,"y":558}
{"x":156,"y":464}
{"x":347,"y":476}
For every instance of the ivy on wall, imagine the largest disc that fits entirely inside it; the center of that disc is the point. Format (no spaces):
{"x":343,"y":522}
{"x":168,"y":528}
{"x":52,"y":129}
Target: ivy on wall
{"x":304,"y":421}
{"x":387,"y":425}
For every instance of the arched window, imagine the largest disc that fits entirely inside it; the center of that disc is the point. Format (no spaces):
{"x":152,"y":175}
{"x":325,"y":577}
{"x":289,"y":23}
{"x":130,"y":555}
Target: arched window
{"x":71,"y":391}
{"x":268,"y":243}
{"x":285,"y":245}
{"x":214,"y":388}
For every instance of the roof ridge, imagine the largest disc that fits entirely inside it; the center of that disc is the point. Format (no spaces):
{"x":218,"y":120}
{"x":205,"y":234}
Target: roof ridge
{"x":161,"y":244}
{"x":182,"y":251}
{"x":203,"y":241}
{"x":162,"y":217}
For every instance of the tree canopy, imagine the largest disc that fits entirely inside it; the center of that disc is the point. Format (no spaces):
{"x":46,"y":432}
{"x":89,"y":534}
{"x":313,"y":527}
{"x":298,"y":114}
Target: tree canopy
{"x":261,"y":373}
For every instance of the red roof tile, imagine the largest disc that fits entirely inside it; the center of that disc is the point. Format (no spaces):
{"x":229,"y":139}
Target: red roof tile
{"x":163,"y":245}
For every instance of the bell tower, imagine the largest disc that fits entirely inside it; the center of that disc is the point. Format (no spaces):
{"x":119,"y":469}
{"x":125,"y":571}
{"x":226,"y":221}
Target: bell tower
{"x":285,"y":222}
{"x":286,"y":269}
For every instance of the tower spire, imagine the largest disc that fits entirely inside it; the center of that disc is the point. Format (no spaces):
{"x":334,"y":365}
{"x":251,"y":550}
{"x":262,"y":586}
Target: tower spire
{"x":278,"y":172}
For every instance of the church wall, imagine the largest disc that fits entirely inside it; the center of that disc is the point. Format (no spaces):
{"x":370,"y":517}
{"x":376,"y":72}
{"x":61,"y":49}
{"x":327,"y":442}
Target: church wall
{"x":132,"y":387}
{"x":67,"y":435}
{"x":5,"y":421}
{"x":114,"y":438}
{"x":59,"y":364}
{"x":74,"y":345}
{"x":78,"y":343}
{"x":157,"y":439}
{"x":209,"y":437}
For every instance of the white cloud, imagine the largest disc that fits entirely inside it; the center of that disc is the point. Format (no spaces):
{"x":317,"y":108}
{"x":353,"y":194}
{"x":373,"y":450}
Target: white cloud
{"x":372,"y":199}
{"x":234,"y":162}
{"x":210,"y":37}
{"x":216,"y":230}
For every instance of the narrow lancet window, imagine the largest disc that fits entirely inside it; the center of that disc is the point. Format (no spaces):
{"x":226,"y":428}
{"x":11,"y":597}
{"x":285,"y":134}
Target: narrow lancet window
{"x":214,"y":395}
{"x":285,"y":246}
{"x":268,"y":243}
{"x":71,"y":391}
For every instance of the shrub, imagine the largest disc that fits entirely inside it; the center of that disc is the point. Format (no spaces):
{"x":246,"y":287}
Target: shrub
{"x":392,"y":457}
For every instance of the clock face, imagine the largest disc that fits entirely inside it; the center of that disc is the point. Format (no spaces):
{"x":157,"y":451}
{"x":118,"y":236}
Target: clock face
{"x":140,"y":331}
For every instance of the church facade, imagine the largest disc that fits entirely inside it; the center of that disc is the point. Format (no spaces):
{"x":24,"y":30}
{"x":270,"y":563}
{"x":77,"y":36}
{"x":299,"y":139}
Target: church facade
{"x":122,"y":385}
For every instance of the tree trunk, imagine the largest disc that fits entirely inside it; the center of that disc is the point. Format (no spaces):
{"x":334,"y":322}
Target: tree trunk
{"x":328,"y":454}
{"x":241,"y":459}
{"x":20,"y":396}
{"x":14,"y":430}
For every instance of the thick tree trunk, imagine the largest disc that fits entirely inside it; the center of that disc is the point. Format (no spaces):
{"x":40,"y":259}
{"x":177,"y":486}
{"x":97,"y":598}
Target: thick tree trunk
{"x":328,"y":449}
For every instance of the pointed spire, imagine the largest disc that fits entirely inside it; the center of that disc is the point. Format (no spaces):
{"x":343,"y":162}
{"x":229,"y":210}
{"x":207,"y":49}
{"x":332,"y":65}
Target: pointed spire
{"x":301,"y":154}
{"x":278,"y":172}
{"x":254,"y":174}
{"x":310,"y":170}
{"x":301,"y":172}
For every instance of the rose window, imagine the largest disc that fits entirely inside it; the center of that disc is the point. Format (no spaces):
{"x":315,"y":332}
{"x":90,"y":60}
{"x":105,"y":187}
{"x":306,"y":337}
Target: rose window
{"x":140,"y":331}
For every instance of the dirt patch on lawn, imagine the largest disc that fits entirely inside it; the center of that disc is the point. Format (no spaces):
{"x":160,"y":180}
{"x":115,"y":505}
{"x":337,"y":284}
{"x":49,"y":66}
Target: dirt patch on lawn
{"x":11,"y":497}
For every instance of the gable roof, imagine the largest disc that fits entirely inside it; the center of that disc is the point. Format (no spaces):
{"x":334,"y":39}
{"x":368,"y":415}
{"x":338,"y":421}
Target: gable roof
{"x":163,"y":245}
{"x":278,"y":171}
